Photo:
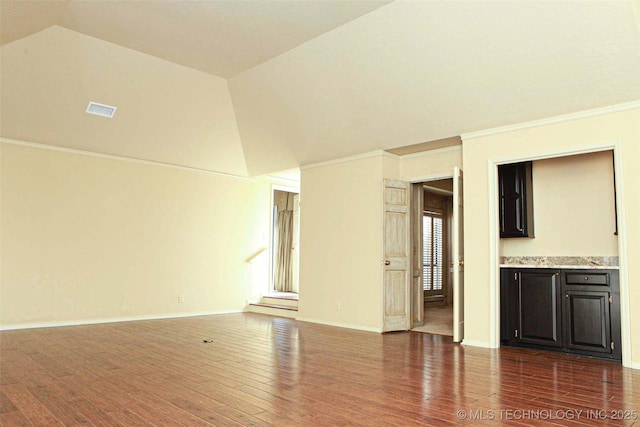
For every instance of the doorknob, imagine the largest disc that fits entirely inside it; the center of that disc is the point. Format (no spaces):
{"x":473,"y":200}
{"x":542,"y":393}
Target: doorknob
{"x":386,"y":262}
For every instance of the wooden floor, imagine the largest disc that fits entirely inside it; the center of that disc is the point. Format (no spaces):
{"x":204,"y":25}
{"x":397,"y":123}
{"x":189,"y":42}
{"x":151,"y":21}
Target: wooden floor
{"x":260,"y":370}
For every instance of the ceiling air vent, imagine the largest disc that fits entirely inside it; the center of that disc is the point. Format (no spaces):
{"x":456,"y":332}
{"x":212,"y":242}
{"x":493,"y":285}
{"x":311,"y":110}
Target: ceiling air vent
{"x":101,"y":109}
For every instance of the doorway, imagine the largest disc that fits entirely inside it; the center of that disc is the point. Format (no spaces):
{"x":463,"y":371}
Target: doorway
{"x":285,"y":242}
{"x":402,"y":284}
{"x":432,"y":239}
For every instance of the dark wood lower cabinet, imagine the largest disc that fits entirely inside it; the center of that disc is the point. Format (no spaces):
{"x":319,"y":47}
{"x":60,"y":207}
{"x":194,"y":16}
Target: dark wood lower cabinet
{"x":576,"y":311}
{"x":539,"y":308}
{"x":587,"y":321}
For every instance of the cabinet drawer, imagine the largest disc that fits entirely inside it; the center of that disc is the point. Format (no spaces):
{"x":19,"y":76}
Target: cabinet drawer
{"x":595,"y":279}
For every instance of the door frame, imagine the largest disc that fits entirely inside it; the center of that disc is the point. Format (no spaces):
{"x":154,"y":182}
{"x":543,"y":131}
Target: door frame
{"x":494,"y":240}
{"x":422,"y":180}
{"x":457,"y":249}
{"x":274,"y":187}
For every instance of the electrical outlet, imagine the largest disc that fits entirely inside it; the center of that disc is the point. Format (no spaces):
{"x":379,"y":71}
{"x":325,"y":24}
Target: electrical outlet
{"x":338,"y":305}
{"x":180,"y":298}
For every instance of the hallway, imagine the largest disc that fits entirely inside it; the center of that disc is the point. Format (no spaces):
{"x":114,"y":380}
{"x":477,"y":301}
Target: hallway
{"x":437,"y":320}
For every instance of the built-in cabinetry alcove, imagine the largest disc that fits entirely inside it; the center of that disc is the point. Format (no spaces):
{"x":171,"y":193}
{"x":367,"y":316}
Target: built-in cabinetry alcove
{"x":559,"y":290}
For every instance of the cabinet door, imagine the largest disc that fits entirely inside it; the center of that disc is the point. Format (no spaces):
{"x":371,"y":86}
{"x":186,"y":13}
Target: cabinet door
{"x":516,"y":201}
{"x":509,"y":305}
{"x":539,"y":308}
{"x":587,"y":321}
{"x":506,"y":319}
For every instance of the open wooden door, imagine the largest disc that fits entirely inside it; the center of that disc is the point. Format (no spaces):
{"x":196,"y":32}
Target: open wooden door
{"x":417,"y":292}
{"x":457,"y":263}
{"x":395,"y":265}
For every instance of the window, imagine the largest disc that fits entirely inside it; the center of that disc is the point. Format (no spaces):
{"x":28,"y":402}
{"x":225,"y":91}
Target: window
{"x":433,"y":253}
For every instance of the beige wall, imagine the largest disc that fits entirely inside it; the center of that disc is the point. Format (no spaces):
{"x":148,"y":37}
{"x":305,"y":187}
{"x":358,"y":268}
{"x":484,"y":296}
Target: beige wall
{"x":341,"y":234}
{"x":574,"y":210}
{"x":621,"y":129}
{"x":88,"y":238}
{"x":430,"y":164}
{"x":341,"y":242}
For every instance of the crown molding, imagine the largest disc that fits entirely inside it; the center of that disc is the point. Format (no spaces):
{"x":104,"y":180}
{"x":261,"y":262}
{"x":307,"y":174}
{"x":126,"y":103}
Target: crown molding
{"x":553,"y":120}
{"x":120,"y":158}
{"x":377,"y":153}
{"x":431,"y":152}
{"x":382,"y":153}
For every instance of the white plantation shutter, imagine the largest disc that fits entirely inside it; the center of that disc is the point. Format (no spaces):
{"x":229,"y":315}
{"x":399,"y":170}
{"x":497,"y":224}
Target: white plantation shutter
{"x":426,"y":252}
{"x":438,"y":254}
{"x":433,"y":251}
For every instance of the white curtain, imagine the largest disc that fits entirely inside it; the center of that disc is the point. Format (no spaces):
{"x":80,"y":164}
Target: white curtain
{"x":283,"y":275}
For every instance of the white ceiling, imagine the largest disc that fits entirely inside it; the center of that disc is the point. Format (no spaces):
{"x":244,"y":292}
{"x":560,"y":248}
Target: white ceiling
{"x":308,"y":81}
{"x":411,"y":72}
{"x":219,"y":37}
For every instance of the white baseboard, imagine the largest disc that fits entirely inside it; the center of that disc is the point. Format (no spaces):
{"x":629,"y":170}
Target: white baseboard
{"x":111,"y":320}
{"x":340,"y":325}
{"x":480,"y":344}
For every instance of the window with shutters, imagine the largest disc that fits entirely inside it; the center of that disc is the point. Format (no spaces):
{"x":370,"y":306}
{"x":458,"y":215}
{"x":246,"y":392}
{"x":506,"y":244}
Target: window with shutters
{"x":433,"y":250}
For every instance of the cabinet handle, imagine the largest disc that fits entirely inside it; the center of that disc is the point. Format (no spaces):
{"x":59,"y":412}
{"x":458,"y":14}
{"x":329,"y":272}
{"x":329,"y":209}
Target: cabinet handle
{"x":566,"y":296}
{"x":586,"y":278}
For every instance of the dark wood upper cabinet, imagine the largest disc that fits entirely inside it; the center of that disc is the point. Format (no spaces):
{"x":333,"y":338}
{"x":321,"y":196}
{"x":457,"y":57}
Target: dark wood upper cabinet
{"x":516,"y":200}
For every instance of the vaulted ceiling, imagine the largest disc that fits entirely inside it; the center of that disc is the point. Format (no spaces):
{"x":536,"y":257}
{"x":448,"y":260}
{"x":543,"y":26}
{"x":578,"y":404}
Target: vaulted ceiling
{"x":248,"y":87}
{"x":222,"y":38}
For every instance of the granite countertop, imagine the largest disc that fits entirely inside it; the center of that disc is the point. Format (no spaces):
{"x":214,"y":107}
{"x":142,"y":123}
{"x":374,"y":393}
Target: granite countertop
{"x":590,"y":262}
